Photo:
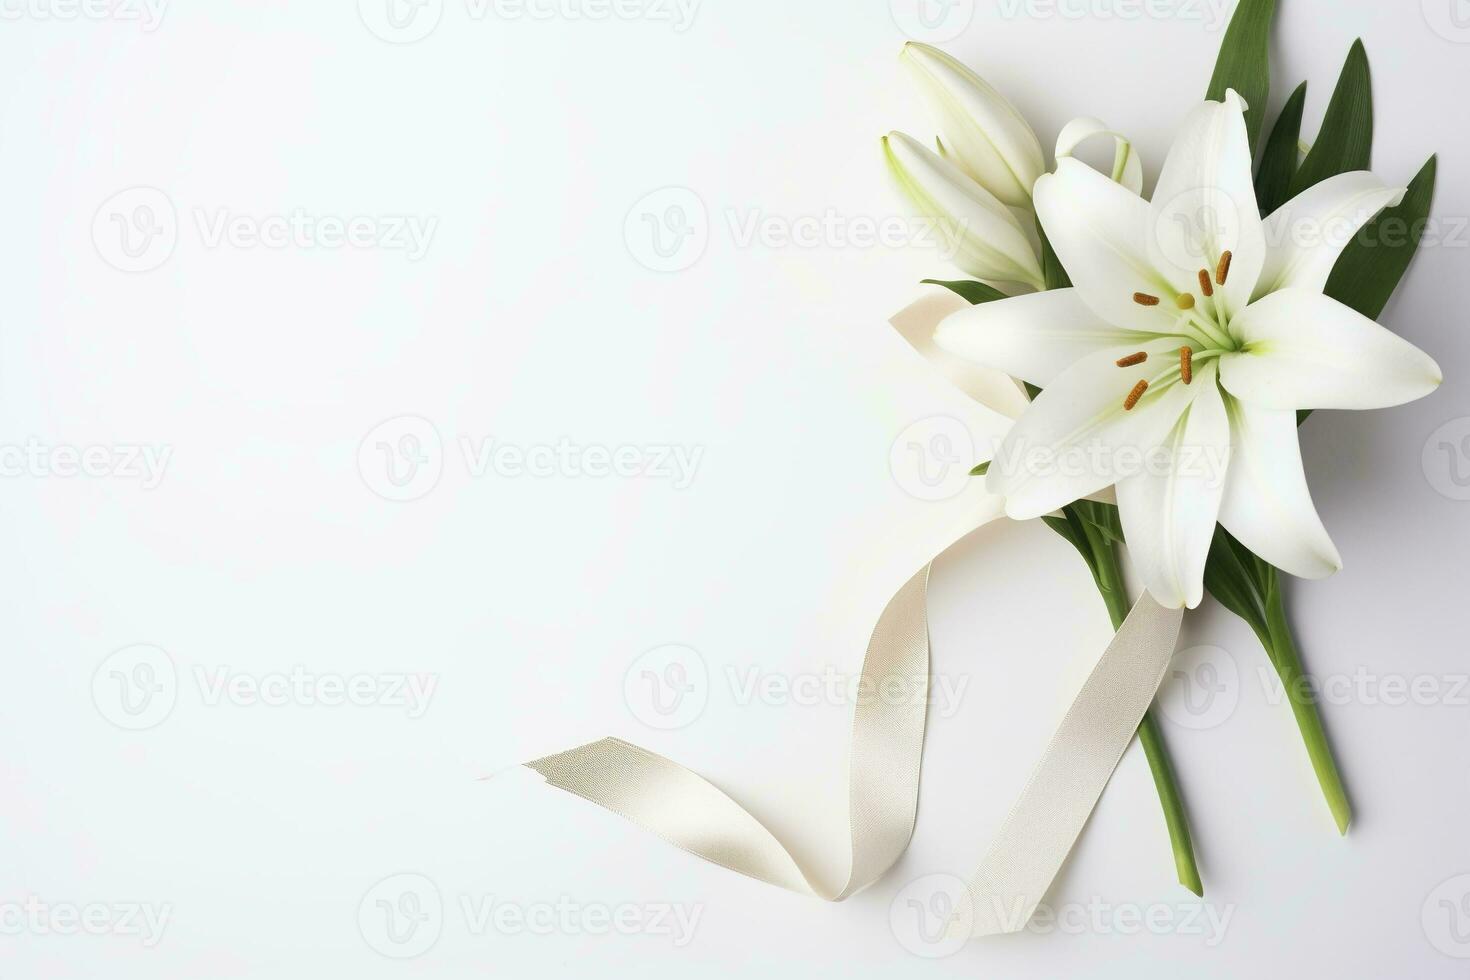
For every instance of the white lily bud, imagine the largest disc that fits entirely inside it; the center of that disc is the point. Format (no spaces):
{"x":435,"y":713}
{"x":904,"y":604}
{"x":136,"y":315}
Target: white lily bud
{"x":982,"y":132}
{"x":985,"y":238}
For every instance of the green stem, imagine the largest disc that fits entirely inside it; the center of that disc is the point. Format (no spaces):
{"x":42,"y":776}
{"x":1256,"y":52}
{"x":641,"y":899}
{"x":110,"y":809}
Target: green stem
{"x":1299,"y":692}
{"x":1110,"y":584}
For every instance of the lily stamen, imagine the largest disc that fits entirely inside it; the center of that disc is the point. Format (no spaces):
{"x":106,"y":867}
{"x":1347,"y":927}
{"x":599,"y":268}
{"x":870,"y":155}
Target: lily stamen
{"x":1186,"y":364}
{"x":1135,"y":395}
{"x":1144,"y":299}
{"x":1205,"y":286}
{"x":1132,"y":359}
{"x":1223,"y":269}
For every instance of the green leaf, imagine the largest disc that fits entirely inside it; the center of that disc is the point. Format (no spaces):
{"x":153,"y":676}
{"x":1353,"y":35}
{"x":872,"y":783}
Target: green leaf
{"x":1069,"y":526}
{"x":1232,"y":576}
{"x":1374,"y":262}
{"x":1345,"y":142}
{"x":1279,"y":159}
{"x":974,"y":292}
{"x":1051,"y":266}
{"x":1243,"y":64}
{"x":1104,"y":517}
{"x":981,"y":468}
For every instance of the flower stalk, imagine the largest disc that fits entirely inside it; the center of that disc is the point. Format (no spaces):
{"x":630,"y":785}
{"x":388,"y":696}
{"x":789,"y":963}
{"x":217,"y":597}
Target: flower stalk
{"x":1302,"y":697}
{"x":1109,"y":577}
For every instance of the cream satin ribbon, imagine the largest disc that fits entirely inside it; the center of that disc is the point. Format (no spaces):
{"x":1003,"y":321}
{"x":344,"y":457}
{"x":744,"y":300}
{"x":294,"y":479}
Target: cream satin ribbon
{"x":887,"y":748}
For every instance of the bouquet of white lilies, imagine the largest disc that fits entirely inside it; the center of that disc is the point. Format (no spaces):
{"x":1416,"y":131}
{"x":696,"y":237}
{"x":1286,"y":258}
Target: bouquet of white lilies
{"x":1172,"y":345}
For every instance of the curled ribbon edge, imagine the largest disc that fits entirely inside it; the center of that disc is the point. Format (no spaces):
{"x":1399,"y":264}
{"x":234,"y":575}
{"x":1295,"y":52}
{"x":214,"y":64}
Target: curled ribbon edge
{"x":886,"y":754}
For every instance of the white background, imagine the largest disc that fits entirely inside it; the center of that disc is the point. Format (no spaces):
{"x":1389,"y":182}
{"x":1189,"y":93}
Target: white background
{"x":262,"y":831}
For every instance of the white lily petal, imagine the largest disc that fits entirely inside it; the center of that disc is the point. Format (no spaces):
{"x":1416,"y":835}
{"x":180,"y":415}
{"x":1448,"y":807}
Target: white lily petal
{"x":1127,"y":166}
{"x":1033,"y":337}
{"x":982,"y":131}
{"x":987,"y":240}
{"x":1169,"y":508}
{"x":1305,"y":236}
{"x":1077,"y":437}
{"x":1205,"y":205}
{"x":1267,"y":504}
{"x":1102,"y":233}
{"x":1305,"y":350}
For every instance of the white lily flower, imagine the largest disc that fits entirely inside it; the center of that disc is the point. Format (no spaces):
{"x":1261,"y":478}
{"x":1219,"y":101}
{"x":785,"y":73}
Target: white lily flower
{"x":986,"y":239}
{"x":982,"y":132}
{"x":1176,"y":364}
